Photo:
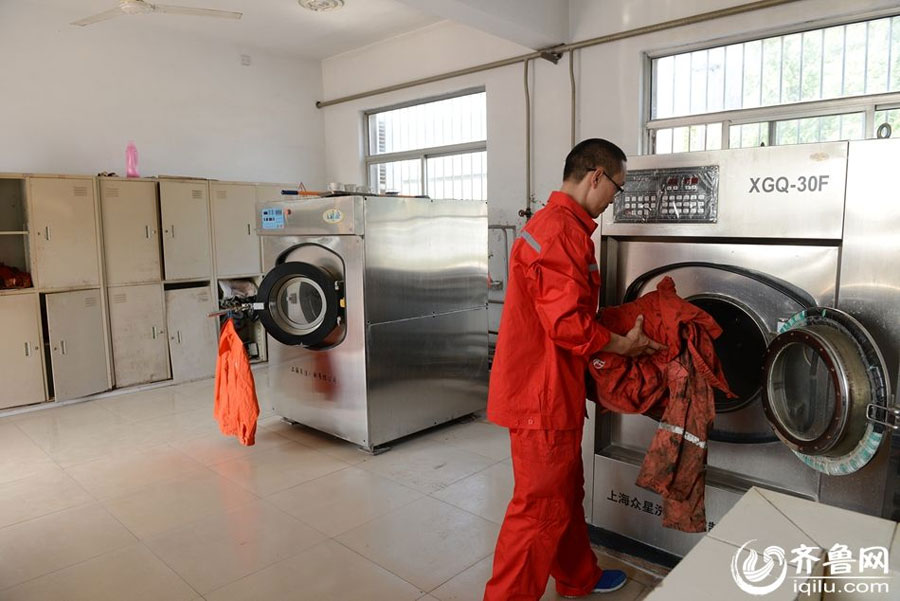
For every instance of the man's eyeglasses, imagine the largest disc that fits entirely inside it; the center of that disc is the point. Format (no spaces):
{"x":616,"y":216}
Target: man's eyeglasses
{"x":619,"y":189}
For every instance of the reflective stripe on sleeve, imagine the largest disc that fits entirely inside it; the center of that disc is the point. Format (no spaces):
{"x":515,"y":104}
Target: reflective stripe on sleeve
{"x":680,"y":432}
{"x":531,"y":241}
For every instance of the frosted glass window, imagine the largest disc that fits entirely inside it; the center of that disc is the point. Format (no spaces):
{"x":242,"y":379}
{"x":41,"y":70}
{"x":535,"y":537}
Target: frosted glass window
{"x":892,"y":118}
{"x":849,"y":126}
{"x":766,"y":77}
{"x":461,"y":176}
{"x":401,"y":177}
{"x":791,"y":61}
{"x":834,"y":62}
{"x":440,"y":123}
{"x":435,"y":148}
{"x":687,"y":139}
{"x":748,"y":135}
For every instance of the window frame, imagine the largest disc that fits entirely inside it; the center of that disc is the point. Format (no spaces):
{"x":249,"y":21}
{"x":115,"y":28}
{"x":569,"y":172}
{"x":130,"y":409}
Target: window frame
{"x":420,"y":154}
{"x":867,"y":103}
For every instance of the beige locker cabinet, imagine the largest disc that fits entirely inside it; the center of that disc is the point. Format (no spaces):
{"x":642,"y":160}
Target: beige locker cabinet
{"x":184,"y":209}
{"x":77,"y":349}
{"x":234,"y":229}
{"x":21,"y":366}
{"x":63,"y":224}
{"x":137,"y":326}
{"x":193,"y":336}
{"x":130,"y":231}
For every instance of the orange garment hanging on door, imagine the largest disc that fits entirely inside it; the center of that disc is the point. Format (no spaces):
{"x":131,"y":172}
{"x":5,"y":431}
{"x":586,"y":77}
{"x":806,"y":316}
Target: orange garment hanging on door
{"x":236,"y":406}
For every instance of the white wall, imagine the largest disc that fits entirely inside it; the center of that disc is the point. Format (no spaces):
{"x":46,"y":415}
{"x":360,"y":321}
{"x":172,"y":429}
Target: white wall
{"x":71,"y":98}
{"x":532,"y":23}
{"x":435,"y":49}
{"x":608,"y":79}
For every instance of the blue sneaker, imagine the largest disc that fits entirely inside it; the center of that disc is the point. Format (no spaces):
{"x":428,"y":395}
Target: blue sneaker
{"x":611,"y":580}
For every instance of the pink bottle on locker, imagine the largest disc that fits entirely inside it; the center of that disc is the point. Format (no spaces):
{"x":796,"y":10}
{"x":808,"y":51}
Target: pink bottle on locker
{"x":131,"y":160}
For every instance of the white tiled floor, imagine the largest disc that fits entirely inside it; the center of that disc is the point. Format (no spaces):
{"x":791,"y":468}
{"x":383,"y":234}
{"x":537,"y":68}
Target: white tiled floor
{"x":137,"y":496}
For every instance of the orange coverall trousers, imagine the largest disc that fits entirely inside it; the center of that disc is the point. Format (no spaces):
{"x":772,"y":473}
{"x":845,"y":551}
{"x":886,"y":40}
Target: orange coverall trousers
{"x":544,"y":532}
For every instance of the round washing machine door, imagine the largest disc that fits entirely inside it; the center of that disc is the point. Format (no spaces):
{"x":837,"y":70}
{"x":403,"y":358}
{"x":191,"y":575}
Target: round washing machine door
{"x":822,"y":374}
{"x":303,"y":305}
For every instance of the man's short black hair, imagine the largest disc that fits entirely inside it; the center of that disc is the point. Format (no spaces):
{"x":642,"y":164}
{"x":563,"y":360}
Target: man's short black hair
{"x":591,"y":154}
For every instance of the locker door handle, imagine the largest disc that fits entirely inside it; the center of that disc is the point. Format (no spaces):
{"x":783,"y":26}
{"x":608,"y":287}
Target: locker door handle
{"x":27,"y":349}
{"x":153,"y":332}
{"x":248,"y":229}
{"x":47,"y":233}
{"x":173,"y":230}
{"x":178,"y":335}
{"x":147,"y":231}
{"x":62,"y":346}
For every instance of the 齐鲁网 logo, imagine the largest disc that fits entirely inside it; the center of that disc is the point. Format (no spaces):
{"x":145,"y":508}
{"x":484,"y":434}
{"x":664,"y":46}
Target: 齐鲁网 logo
{"x":867,"y":572}
{"x":757,"y":577}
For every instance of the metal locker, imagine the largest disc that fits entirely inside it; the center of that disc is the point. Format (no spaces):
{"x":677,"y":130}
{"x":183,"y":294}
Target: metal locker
{"x":193,"y":337}
{"x":21,"y":365}
{"x":130,"y":231}
{"x":63,"y":221}
{"x":234,"y":229}
{"x":77,"y":351}
{"x":137,"y":324}
{"x":184,"y":208}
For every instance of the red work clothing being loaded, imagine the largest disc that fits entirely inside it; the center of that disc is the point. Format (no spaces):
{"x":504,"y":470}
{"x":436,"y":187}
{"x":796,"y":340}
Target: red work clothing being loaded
{"x":678,"y":384}
{"x":548,"y":332}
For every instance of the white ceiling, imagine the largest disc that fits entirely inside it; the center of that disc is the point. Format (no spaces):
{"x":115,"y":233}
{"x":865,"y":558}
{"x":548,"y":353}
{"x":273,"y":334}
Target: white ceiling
{"x":280,"y":26}
{"x":535,"y":24}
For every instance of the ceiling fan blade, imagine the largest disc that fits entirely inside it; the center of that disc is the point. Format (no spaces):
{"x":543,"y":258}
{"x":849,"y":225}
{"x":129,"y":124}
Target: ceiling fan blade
{"x":107,"y":14}
{"x":195,"y":12}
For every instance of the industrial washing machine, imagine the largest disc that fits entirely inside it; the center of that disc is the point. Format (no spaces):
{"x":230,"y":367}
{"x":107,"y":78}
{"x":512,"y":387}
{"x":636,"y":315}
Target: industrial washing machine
{"x":794,"y":251}
{"x":376,"y":312}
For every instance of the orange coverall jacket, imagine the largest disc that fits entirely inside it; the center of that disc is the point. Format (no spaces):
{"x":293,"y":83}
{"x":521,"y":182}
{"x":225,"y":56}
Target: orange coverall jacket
{"x":548,"y":330}
{"x":236,"y":406}
{"x":676,"y":383}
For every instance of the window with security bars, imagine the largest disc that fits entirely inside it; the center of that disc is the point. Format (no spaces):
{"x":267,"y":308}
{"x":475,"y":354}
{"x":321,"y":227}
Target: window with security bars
{"x":834,"y":83}
{"x":437,"y":148}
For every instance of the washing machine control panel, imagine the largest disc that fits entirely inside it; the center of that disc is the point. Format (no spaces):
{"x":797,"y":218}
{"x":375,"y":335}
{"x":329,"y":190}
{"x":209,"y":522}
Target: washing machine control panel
{"x":675,"y":195}
{"x":272,"y":218}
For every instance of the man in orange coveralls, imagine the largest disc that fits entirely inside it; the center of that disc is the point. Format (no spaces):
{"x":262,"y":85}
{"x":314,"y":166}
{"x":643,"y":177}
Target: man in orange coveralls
{"x":547,"y":334}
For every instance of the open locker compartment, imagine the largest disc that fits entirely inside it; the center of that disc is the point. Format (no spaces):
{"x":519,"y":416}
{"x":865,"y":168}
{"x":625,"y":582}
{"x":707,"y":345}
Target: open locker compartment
{"x":232,"y":293}
{"x":15,"y":264}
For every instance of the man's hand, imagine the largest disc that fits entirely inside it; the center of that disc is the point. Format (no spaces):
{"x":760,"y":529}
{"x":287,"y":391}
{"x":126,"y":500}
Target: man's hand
{"x":634,"y":343}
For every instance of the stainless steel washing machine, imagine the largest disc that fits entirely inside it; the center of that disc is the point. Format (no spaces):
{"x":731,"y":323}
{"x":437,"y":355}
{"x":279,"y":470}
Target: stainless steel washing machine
{"x":793,"y":250}
{"x":376,"y":312}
